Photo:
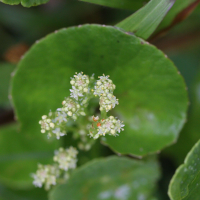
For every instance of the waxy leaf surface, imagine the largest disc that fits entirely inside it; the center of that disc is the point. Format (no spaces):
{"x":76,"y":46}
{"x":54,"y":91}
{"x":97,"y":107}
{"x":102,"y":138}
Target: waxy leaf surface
{"x":20,"y":153}
{"x":185,"y":184}
{"x":144,"y":22}
{"x":152,"y":95}
{"x":110,"y":178}
{"x":25,"y":3}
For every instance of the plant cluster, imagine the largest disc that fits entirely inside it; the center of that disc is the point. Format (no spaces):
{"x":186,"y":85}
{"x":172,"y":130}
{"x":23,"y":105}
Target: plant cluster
{"x":83,"y":89}
{"x":88,"y":162}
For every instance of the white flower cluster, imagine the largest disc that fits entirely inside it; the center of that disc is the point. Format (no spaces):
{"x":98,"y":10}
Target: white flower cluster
{"x":53,"y":123}
{"x":48,"y":174}
{"x":79,"y":84}
{"x":46,"y":124}
{"x":110,"y":126}
{"x":66,"y":158}
{"x":52,"y":126}
{"x":74,"y":106}
{"x":104,"y":89}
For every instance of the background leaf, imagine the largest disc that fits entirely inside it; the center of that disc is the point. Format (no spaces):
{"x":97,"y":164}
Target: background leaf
{"x":153,"y":99}
{"x":122,"y":4}
{"x":178,"y":7}
{"x":5,"y":75}
{"x":110,"y":178}
{"x":185,"y":184}
{"x":144,"y":22}
{"x":31,"y":194}
{"x":20,"y":152}
{"x":190,"y":133}
{"x":25,"y":3}
{"x":185,"y":55}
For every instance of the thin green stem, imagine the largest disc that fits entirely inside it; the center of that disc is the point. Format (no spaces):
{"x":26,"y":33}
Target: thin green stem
{"x":103,"y":114}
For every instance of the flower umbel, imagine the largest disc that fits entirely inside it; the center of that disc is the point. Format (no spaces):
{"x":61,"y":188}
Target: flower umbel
{"x":108,"y":126}
{"x":72,"y":117}
{"x":66,"y":158}
{"x":79,"y":84}
{"x":47,"y":175}
{"x":104,"y":88}
{"x":83,"y":89}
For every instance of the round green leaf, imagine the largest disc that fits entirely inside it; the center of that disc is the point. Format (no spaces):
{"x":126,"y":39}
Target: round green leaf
{"x":25,"y":3}
{"x":152,"y":95}
{"x":110,"y":178}
{"x":185,"y":184}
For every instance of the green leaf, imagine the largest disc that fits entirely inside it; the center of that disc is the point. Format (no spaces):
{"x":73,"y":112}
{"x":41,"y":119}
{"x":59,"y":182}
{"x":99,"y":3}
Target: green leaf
{"x":144,"y":22}
{"x":190,"y":133}
{"x":122,"y":4}
{"x":25,"y":3}
{"x":30,"y":194}
{"x":5,"y":74}
{"x":20,"y":152}
{"x":185,"y":184}
{"x":152,"y":95}
{"x":179,"y":6}
{"x":110,"y":178}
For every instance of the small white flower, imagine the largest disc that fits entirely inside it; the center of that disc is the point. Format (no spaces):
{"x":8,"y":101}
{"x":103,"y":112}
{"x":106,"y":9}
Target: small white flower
{"x":42,"y":131}
{"x":118,"y":126}
{"x":46,"y":174}
{"x":61,"y":116}
{"x":103,"y":78}
{"x":85,"y":89}
{"x":72,"y":151}
{"x":44,"y":117}
{"x":66,"y":158}
{"x":112,"y":132}
{"x":107,"y":125}
{"x":64,"y":102}
{"x":72,"y":82}
{"x":99,"y":83}
{"x":98,"y":91}
{"x":58,"y":133}
{"x":114,"y":101}
{"x":52,"y":125}
{"x":75,"y":93}
{"x":69,"y":113}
